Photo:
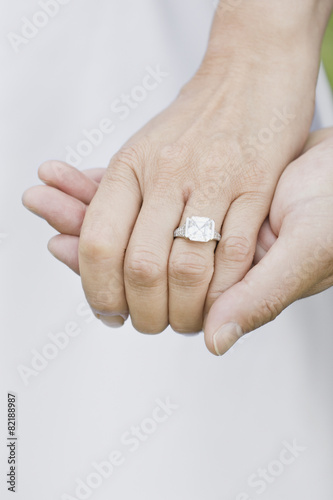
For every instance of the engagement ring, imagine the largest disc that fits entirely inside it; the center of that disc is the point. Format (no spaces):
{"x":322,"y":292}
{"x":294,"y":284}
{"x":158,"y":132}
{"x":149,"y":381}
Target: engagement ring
{"x":198,"y":229}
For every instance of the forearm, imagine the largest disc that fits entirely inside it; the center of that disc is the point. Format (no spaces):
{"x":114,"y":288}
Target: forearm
{"x":274,"y":23}
{"x":264,"y":55}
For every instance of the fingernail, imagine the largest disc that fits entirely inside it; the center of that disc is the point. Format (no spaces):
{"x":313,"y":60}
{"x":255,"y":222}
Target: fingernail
{"x":226,"y":337}
{"x":100,"y":314}
{"x":114,"y":321}
{"x":188,"y":334}
{"x":51,"y":251}
{"x":33,"y":211}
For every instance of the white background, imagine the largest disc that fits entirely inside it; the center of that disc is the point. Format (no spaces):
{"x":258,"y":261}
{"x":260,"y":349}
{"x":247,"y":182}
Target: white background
{"x":235,"y":412}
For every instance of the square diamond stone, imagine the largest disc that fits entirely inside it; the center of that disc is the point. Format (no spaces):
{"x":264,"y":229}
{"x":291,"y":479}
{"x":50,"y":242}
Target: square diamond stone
{"x":199,"y":228}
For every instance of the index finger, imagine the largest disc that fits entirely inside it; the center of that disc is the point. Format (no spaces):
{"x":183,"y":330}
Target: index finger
{"x":104,"y":238}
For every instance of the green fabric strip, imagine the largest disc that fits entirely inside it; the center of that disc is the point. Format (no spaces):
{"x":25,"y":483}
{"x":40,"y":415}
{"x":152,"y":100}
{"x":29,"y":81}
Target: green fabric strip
{"x":327,"y":51}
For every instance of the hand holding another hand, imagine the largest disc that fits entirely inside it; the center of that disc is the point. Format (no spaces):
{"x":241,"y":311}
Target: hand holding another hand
{"x":294,"y":251}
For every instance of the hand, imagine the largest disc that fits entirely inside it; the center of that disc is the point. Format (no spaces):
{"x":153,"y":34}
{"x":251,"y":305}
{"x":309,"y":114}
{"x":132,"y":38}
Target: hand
{"x":217,"y":151}
{"x":183,"y":163}
{"x":63,"y":201}
{"x":294,"y":257}
{"x":296,"y":208}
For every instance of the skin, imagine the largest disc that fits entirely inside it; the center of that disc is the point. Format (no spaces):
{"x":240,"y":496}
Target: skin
{"x":294,"y":249}
{"x":218,"y":150}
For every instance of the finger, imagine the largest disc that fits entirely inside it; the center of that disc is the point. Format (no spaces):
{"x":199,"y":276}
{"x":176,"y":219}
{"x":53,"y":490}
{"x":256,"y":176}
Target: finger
{"x":278,"y":280}
{"x":95,"y":174}
{"x":234,"y":253}
{"x":104,"y":238}
{"x":65,"y":248}
{"x":146,"y":263}
{"x":191,"y":267}
{"x":69,"y":180}
{"x":266,"y":238}
{"x":61,"y":211}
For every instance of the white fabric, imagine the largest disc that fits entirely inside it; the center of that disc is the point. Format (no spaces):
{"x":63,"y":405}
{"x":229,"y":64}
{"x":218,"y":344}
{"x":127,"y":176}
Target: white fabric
{"x":235,"y":414}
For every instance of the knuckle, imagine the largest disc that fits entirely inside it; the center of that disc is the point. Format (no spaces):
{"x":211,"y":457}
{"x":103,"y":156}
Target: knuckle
{"x":93,"y":248}
{"x":178,"y":165}
{"x":128,"y":168}
{"x":174,"y":177}
{"x":256,"y":175}
{"x":101,"y":302}
{"x":190,"y":267}
{"x":226,"y":158}
{"x":125,"y":166}
{"x":99,"y":258}
{"x":163,"y":188}
{"x":229,"y":157}
{"x":237,"y":249}
{"x":144,"y":268}
{"x":106,"y":299}
{"x":118,"y":173}
{"x":132,"y":155}
{"x":259,"y":167}
{"x":267,"y":309}
{"x":123,"y":177}
{"x":176,"y":153}
{"x":271,"y":307}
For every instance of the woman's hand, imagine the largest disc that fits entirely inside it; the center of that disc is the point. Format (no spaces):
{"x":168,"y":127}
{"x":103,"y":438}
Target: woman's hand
{"x":218,"y":152}
{"x":296,"y":255}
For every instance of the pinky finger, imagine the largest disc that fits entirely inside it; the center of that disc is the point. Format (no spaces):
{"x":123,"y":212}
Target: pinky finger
{"x":65,"y":248}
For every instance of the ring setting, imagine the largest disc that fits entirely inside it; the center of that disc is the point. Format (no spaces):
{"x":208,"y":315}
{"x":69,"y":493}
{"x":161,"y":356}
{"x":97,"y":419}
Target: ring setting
{"x":198,"y":229}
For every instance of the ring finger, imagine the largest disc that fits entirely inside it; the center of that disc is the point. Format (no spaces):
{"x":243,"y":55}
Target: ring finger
{"x":191,"y":264}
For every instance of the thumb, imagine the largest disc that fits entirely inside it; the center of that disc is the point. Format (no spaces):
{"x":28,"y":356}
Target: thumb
{"x":276,"y":281}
